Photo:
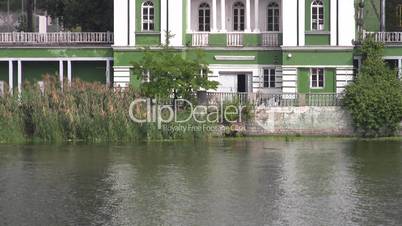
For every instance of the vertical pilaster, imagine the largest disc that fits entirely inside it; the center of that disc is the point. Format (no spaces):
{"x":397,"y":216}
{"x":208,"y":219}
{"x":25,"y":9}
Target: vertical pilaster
{"x":214,"y":16}
{"x":289,"y":21}
{"x":69,"y":72}
{"x":10,"y":75}
{"x":289,"y":80}
{"x":301,"y":25}
{"x":61,"y":72}
{"x":223,"y":15}
{"x":248,"y":15}
{"x":164,"y":21}
{"x":382,"y":25}
{"x":334,"y":22}
{"x":256,"y":16}
{"x":19,"y":73}
{"x":189,"y":16}
{"x":107,"y":73}
{"x":132,"y":22}
{"x":121,"y":23}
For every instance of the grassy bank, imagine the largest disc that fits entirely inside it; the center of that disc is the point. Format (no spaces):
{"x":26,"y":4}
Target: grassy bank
{"x":82,"y":112}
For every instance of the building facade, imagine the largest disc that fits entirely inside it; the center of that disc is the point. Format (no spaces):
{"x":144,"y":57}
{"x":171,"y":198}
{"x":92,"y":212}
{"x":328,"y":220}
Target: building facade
{"x":266,"y":46}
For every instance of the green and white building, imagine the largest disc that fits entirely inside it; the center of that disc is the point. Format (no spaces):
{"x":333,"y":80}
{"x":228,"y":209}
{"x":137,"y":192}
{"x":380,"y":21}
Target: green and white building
{"x":267,"y":46}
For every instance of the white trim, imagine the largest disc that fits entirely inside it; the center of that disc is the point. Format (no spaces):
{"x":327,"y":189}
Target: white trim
{"x":312,"y":48}
{"x":317,"y":66}
{"x":10,"y":75}
{"x":59,"y":58}
{"x":240,"y":58}
{"x":132,"y":19}
{"x":19,"y":74}
{"x":318,"y":78}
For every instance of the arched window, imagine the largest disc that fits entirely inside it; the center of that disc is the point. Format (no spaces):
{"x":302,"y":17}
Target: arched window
{"x":204,"y":17}
{"x":317,"y":15}
{"x":273,"y":17}
{"x":238,"y":16}
{"x":148,"y":15}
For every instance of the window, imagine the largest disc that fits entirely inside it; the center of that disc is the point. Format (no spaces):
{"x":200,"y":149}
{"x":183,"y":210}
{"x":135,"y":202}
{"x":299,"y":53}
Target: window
{"x":273,"y":17}
{"x":204,"y":17}
{"x":148,"y":15}
{"x":317,"y":78}
{"x":269,"y":78}
{"x":317,"y":15}
{"x":238,"y":16}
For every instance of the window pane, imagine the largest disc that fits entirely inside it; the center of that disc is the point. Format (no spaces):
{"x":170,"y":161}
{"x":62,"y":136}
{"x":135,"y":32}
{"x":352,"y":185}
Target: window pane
{"x":151,"y":26}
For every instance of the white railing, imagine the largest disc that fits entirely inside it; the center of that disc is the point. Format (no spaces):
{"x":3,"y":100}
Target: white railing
{"x":200,"y":39}
{"x":234,"y":39}
{"x":385,"y":37}
{"x":271,"y":39}
{"x":56,"y":38}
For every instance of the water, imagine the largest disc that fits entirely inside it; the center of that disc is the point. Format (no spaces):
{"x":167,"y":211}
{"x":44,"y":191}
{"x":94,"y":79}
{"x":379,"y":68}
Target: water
{"x":223,"y":182}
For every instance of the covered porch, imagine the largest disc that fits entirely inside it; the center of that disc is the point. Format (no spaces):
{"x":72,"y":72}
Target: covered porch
{"x":234,"y":23}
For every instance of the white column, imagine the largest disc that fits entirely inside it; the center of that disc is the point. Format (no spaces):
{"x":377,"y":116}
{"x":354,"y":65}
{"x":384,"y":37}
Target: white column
{"x":107,"y":73}
{"x":61,"y":72}
{"x":132,"y":23}
{"x":188,"y":16}
{"x":10,"y":75}
{"x":19,"y":76}
{"x":333,"y":24}
{"x":248,"y":16}
{"x":69,"y":73}
{"x":223,"y":16}
{"x":214,"y":16}
{"x":164,"y":21}
{"x":121,"y":23}
{"x":256,"y":16}
{"x":302,"y":25}
{"x":289,"y":21}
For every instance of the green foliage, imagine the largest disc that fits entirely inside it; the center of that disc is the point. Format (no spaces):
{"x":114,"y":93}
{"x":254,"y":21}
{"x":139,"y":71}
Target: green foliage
{"x":168,"y":73}
{"x":375,"y":98}
{"x":84,"y":112}
{"x":88,"y":15}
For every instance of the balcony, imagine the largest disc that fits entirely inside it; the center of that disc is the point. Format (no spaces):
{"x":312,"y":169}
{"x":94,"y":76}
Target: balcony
{"x":236,"y":39}
{"x":385,"y":37}
{"x":56,"y":38}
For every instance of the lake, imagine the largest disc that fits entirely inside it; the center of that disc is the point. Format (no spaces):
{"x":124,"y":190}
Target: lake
{"x":219,"y":182}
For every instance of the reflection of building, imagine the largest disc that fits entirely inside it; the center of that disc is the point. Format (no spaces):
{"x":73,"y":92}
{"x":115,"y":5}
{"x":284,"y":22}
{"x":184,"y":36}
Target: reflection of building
{"x":269,"y":46}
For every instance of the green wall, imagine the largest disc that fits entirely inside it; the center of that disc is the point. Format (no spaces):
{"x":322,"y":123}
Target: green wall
{"x":326,"y":15}
{"x":372,"y":15}
{"x":318,"y":57}
{"x":157,"y":4}
{"x":124,"y":58}
{"x":34,"y":71}
{"x":148,"y":39}
{"x":318,"y":39}
{"x":4,"y":71}
{"x":303,"y":80}
{"x":55,"y":52}
{"x":89,"y":71}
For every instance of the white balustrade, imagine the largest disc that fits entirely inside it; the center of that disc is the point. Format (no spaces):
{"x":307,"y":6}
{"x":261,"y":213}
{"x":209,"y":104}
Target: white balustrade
{"x":234,"y":39}
{"x":200,"y":39}
{"x":271,"y":39}
{"x":56,"y":38}
{"x":385,"y":37}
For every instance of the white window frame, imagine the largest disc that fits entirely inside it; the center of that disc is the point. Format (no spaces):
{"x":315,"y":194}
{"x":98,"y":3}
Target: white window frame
{"x":150,"y":5}
{"x":318,"y":78}
{"x":239,"y":16}
{"x":319,"y":4}
{"x":269,"y":76}
{"x":204,"y":6}
{"x":271,"y":8}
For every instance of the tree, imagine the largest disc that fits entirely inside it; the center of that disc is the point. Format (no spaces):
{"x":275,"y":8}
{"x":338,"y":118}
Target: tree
{"x":375,"y":98}
{"x":169,"y":72}
{"x":88,"y":15}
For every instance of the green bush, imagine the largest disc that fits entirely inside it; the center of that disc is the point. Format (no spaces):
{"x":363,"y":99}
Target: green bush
{"x":374,"y":100}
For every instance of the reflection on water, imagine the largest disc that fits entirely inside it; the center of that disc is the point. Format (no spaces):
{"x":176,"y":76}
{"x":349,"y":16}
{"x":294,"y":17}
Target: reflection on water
{"x":245,"y":182}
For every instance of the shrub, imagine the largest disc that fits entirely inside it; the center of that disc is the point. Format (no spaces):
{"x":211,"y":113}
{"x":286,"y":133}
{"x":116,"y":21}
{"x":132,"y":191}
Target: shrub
{"x":374,"y":100}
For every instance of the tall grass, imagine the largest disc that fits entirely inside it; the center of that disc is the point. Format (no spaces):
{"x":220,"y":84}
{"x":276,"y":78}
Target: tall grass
{"x":87,"y":112}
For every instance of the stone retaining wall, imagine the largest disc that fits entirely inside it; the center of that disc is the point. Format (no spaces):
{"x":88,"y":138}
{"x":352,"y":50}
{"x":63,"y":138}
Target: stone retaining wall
{"x":333,"y":121}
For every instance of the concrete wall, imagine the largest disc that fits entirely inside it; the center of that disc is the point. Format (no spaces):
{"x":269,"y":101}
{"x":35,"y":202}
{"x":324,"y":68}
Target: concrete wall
{"x":301,"y":120}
